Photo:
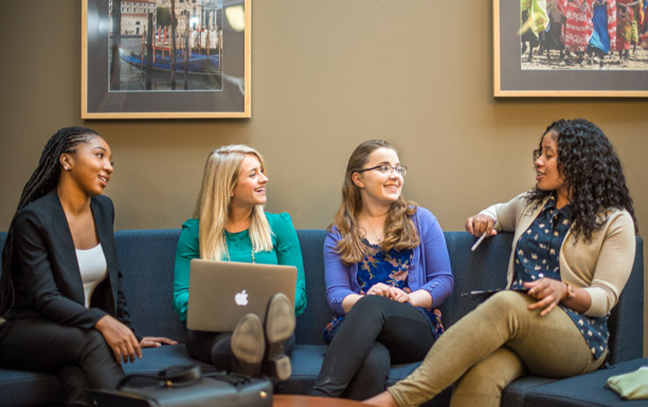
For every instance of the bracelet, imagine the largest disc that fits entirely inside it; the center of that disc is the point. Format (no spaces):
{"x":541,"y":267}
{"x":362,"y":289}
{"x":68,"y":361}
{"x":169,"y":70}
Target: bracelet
{"x":571,"y":294}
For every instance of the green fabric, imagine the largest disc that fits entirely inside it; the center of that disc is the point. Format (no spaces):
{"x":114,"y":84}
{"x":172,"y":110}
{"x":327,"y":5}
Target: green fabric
{"x":631,"y":386}
{"x":538,"y":17}
{"x":286,"y":251}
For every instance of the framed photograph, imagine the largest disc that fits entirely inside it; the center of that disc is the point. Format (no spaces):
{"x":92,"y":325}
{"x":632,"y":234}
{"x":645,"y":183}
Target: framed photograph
{"x":153,"y":59}
{"x":570,"y":48}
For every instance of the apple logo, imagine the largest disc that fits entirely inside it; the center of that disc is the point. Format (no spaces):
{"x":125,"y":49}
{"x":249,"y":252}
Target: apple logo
{"x":241,"y":298}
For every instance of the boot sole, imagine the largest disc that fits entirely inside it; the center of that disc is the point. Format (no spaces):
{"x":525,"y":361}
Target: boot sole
{"x":280,"y":320}
{"x":279,"y":327}
{"x":248,"y":345}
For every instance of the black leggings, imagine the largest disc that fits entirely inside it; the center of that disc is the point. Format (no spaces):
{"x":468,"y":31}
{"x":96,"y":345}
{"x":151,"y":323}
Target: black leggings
{"x":215,"y":348}
{"x":375,"y":334}
{"x":81,"y":358}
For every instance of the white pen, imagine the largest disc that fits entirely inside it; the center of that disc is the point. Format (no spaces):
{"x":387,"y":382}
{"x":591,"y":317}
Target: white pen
{"x":481,"y":239}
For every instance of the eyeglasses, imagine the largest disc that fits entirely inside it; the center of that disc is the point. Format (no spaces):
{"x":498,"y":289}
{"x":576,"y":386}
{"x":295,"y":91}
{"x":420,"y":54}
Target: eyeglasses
{"x":386,"y":169}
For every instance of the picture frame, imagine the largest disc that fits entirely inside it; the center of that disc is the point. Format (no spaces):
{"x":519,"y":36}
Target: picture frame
{"x":514,"y":77}
{"x":210,"y":76}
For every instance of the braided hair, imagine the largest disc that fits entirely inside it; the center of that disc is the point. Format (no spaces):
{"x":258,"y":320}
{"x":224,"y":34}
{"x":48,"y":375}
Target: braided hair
{"x":592,"y":172}
{"x":44,"y":178}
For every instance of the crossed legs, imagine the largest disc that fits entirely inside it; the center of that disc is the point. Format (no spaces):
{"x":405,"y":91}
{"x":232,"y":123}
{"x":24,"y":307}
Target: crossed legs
{"x":80,"y":357}
{"x":375,"y":333}
{"x":490,"y":347}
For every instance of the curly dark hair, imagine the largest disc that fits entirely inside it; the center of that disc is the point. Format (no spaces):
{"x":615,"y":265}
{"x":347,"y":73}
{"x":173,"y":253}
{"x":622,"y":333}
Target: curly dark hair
{"x":44,"y":178}
{"x":592,"y":172}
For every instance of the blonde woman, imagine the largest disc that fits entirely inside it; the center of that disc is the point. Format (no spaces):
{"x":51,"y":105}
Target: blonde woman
{"x":229,"y":224}
{"x":387,"y":268}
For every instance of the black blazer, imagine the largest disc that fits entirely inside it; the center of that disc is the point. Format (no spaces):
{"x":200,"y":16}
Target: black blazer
{"x":46,"y":276}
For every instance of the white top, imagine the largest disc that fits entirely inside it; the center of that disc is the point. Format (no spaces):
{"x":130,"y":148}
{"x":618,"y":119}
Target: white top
{"x":93,"y":268}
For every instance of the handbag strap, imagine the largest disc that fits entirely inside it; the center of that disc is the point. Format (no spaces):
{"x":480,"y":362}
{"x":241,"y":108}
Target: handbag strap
{"x":174,"y":376}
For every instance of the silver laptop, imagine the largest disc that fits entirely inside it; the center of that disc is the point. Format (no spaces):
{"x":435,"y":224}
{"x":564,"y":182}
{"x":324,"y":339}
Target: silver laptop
{"x":221,"y":292}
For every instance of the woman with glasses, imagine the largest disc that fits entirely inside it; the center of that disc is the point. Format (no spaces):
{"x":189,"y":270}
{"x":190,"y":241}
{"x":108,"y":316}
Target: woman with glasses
{"x":387,"y":269}
{"x":574,"y":246}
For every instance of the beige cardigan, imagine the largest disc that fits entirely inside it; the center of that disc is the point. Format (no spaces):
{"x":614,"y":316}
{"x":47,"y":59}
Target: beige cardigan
{"x":601,"y":266}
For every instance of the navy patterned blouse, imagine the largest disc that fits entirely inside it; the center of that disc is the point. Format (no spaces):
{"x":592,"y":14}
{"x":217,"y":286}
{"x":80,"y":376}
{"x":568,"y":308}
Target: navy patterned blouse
{"x":538,"y":255}
{"x":391,"y":268}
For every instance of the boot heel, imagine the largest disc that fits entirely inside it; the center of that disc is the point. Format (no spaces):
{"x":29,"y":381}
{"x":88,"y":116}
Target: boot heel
{"x":279,"y":327}
{"x":248,"y":346}
{"x":280,"y":368}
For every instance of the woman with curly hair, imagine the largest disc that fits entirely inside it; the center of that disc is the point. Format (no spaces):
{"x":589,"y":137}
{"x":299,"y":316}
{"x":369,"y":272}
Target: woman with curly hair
{"x":387,"y":268}
{"x":574,"y":245}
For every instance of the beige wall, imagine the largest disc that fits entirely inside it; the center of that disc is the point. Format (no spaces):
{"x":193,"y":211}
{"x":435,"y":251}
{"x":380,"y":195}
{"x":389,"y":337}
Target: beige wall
{"x":326,"y":75}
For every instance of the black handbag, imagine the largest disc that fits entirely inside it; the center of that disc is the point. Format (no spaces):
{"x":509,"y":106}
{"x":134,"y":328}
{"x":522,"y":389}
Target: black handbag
{"x":186,"y":386}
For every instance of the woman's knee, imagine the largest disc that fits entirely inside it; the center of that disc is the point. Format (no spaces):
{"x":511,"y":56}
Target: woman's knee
{"x":507,"y":302}
{"x":509,"y":298}
{"x":368,"y":306}
{"x":89,"y":341}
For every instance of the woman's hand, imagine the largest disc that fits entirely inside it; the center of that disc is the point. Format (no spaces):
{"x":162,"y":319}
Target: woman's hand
{"x":380,"y":289}
{"x":478,"y":224}
{"x":155,"y":342}
{"x":399,"y":295}
{"x":120,"y":338}
{"x":548,"y":292}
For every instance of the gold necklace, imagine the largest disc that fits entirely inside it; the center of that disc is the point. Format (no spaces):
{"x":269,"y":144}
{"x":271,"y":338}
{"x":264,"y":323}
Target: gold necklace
{"x":227,"y":249}
{"x":378,"y":238}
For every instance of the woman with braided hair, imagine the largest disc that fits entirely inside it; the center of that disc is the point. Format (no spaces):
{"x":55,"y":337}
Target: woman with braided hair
{"x":61,"y":299}
{"x":573,"y":250}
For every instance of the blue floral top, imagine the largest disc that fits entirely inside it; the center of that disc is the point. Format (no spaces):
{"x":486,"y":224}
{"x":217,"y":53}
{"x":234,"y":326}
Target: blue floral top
{"x":538,"y":255}
{"x":389,"y":268}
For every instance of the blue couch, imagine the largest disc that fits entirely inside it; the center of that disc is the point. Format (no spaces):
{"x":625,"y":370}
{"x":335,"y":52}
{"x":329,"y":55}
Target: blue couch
{"x":147,"y":258}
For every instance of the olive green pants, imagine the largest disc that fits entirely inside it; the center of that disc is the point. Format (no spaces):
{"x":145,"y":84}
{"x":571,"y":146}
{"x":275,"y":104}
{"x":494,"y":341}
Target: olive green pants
{"x":500,"y":341}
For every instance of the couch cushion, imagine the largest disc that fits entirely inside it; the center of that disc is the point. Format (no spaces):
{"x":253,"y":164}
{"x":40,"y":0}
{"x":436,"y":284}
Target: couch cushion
{"x":29,"y":389}
{"x":626,"y":323}
{"x":515,"y":393}
{"x":585,"y":390}
{"x":147,"y":259}
{"x":317,"y":314}
{"x":483,"y":269}
{"x":156,"y":359}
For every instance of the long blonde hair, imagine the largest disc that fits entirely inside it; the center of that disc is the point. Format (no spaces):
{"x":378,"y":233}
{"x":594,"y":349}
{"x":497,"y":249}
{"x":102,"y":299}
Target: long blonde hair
{"x":220,"y":177}
{"x":400,"y":232}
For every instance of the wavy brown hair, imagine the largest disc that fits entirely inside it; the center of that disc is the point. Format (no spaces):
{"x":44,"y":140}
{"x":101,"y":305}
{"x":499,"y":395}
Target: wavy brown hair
{"x":592,"y":172}
{"x":400,"y":232}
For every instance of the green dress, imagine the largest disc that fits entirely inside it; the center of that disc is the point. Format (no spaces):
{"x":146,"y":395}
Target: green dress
{"x":286,"y":251}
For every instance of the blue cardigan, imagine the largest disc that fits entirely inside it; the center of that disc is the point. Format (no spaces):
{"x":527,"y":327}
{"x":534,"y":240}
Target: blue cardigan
{"x":430,"y":268}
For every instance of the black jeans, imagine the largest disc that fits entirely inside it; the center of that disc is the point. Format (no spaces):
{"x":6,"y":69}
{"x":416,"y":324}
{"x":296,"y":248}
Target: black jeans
{"x":81,"y":358}
{"x":375,"y":334}
{"x":215,"y":348}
